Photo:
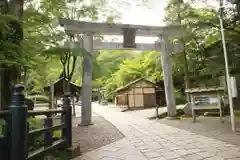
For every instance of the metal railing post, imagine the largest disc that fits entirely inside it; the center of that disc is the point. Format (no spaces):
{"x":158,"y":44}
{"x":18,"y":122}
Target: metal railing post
{"x":67,"y":119}
{"x":19,"y":124}
{"x":48,"y":136}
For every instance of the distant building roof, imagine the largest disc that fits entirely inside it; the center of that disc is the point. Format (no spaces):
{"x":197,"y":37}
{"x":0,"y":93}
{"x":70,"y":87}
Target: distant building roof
{"x":133,"y":82}
{"x":58,"y":87}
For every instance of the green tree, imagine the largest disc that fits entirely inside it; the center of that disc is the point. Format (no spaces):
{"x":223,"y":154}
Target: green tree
{"x":177,"y":13}
{"x":11,"y":35}
{"x":42,"y":26}
{"x":146,"y":64}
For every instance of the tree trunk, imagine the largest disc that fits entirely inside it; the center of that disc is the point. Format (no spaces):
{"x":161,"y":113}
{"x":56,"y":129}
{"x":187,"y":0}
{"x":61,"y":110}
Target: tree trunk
{"x":186,"y":73}
{"x":5,"y":89}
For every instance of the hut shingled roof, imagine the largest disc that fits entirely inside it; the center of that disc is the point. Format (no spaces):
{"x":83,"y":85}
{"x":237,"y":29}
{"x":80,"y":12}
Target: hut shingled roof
{"x":133,"y":82}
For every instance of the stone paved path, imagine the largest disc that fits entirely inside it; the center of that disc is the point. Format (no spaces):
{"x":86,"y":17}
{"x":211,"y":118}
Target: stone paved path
{"x":150,"y":140}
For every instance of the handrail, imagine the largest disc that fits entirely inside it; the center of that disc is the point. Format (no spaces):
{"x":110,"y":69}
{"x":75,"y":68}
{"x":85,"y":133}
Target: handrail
{"x":47,"y":112}
{"x":43,"y":150}
{"x":42,"y":130}
{"x":4,"y":114}
{"x":14,"y":142}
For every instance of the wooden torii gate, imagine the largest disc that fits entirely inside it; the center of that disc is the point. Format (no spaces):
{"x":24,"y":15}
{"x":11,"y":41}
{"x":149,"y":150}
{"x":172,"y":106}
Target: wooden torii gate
{"x":129,"y":32}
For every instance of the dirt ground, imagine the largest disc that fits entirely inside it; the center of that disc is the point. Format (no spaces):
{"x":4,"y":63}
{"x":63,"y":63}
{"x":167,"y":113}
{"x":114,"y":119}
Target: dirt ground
{"x":95,"y":136}
{"x":208,"y":126}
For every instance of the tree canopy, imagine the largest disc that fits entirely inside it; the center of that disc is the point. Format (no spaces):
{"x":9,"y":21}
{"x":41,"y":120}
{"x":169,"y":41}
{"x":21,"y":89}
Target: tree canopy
{"x":43,"y":59}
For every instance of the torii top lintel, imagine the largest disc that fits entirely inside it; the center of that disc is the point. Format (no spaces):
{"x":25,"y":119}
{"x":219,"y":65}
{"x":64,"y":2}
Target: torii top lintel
{"x":79,"y":27}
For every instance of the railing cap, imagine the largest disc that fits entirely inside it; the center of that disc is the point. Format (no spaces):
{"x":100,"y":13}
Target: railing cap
{"x":19,"y":89}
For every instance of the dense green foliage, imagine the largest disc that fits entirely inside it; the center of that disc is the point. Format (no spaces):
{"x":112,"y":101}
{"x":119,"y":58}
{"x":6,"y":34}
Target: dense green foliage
{"x":42,"y":55}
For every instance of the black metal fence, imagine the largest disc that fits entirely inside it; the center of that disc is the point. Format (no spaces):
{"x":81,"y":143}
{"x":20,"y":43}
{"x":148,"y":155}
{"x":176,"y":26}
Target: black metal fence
{"x":15,"y":129}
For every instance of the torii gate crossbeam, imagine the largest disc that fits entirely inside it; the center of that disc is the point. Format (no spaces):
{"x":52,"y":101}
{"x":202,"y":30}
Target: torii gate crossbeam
{"x":90,"y":29}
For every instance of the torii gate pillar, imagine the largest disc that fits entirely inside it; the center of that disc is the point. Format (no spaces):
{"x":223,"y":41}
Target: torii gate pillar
{"x":86,"y":111}
{"x":167,"y":75}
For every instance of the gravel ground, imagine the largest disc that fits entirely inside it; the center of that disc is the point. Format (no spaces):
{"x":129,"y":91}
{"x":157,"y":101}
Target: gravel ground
{"x":95,"y":136}
{"x":91,"y":137}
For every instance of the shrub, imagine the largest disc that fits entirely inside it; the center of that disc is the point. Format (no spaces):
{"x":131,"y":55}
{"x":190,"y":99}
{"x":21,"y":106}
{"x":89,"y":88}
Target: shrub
{"x":2,"y":123}
{"x":180,"y":98}
{"x":37,"y":142}
{"x":39,"y":98}
{"x":37,"y":123}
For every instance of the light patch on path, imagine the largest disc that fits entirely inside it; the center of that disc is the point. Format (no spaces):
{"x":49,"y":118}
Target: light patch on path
{"x":144,"y":113}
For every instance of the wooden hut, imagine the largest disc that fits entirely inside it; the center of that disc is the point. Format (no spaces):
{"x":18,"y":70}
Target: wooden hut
{"x":137,"y":94}
{"x":61,"y":84}
{"x":59,"y":87}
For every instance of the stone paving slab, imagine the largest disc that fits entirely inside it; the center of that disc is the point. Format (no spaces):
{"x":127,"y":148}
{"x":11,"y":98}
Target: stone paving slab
{"x":120,"y":150}
{"x":91,"y":137}
{"x":206,"y":126}
{"x":209,"y":127}
{"x":150,"y":140}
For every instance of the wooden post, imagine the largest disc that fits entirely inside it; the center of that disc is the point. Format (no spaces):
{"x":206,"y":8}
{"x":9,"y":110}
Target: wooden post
{"x":55,"y":102}
{"x":1,"y":107}
{"x":67,"y":119}
{"x":156,"y":111}
{"x":19,"y":147}
{"x":220,"y":107}
{"x":99,"y":96}
{"x":74,"y":109}
{"x":50,"y":95}
{"x":192,"y":107}
{"x":52,"y":105}
{"x":156,"y":100}
{"x":48,"y":139}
